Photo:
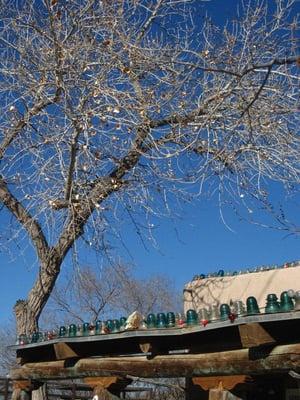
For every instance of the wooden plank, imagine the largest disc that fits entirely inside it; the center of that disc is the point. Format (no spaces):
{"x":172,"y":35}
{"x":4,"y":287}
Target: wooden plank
{"x":277,"y":317}
{"x":63,"y":351}
{"x":279,"y":359}
{"x":227,"y":382}
{"x":254,"y":334}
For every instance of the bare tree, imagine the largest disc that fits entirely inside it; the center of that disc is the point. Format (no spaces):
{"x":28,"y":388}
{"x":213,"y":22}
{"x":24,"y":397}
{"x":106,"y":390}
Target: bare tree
{"x":7,"y":354}
{"x":112,"y":291}
{"x":118,"y":110}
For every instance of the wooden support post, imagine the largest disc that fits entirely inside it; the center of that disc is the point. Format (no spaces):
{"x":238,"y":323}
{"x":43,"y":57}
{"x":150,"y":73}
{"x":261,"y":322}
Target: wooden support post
{"x":63,"y":351}
{"x":225,"y":382}
{"x":22,"y":390}
{"x":6,"y":389}
{"x":73,"y":391}
{"x":104,"y":382}
{"x":254,"y":334}
{"x":146,"y":347}
{"x":188,"y":385}
{"x":103,"y":386}
{"x":221,"y":394}
{"x":24,"y":395}
{"x":103,"y":394}
{"x":20,"y":394}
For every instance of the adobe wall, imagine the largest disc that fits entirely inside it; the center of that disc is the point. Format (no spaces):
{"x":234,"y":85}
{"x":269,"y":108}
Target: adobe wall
{"x":217,"y":290}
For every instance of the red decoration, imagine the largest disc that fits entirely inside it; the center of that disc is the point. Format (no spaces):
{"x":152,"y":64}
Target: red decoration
{"x":232,"y":317}
{"x":204,"y":322}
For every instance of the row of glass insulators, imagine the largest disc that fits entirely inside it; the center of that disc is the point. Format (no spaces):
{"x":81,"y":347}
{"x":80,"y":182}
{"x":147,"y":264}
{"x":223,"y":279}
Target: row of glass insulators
{"x":222,"y":273}
{"x":289,"y":300}
{"x":86,"y":329}
{"x":102,"y":327}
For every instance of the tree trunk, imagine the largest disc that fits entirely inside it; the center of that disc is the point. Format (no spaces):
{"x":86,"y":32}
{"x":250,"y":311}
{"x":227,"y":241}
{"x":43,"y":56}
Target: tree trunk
{"x":27,"y":312}
{"x":26,"y":322}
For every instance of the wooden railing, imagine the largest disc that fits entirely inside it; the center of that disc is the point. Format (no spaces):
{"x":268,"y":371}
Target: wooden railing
{"x":63,"y":390}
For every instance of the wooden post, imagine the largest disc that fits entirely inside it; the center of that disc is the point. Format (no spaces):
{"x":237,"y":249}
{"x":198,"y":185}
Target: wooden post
{"x":20,"y":394}
{"x":22,"y":390}
{"x":73,"y":391}
{"x":102,"y":394}
{"x":101,"y":385}
{"x":24,"y":395}
{"x":188,"y":383}
{"x":6,"y":389}
{"x":221,"y":394}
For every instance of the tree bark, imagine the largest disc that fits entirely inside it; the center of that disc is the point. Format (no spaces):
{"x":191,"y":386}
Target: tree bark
{"x":27,"y":311}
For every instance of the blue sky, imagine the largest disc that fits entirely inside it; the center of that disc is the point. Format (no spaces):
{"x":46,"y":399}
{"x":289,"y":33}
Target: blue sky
{"x":198,"y":242}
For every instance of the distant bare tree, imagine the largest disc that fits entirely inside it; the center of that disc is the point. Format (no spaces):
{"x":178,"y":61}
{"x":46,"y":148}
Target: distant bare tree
{"x":7,"y":355}
{"x":115,"y":111}
{"x":113,"y":291}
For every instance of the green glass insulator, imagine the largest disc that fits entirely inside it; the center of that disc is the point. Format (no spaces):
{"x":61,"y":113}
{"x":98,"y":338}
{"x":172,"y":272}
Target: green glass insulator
{"x":109,"y":325}
{"x":272,"y":305}
{"x":170,"y":319}
{"x":191,"y":317}
{"x":72,"y":330}
{"x":224,"y":312}
{"x":62,"y":331}
{"x":161,"y":321}
{"x":151,"y":321}
{"x":286,"y":302}
{"x":98,"y":325}
{"x":34,"y":337}
{"x":252,"y":306}
{"x":40,"y":336}
{"x":85,"y":329}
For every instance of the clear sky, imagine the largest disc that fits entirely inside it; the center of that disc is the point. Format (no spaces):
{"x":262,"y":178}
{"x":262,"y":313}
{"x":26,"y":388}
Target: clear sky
{"x":198,"y":242}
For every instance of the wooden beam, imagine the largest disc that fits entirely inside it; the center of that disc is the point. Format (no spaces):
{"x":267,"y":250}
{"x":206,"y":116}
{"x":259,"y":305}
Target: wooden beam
{"x":63,"y":351}
{"x":254,"y":334}
{"x":279,"y":359}
{"x":104,"y":381}
{"x":146,"y":347}
{"x":227,"y":382}
{"x":23,"y":385}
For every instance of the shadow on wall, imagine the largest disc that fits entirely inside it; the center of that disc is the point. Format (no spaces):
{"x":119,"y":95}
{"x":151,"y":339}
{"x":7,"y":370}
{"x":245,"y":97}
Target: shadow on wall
{"x":203,"y":293}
